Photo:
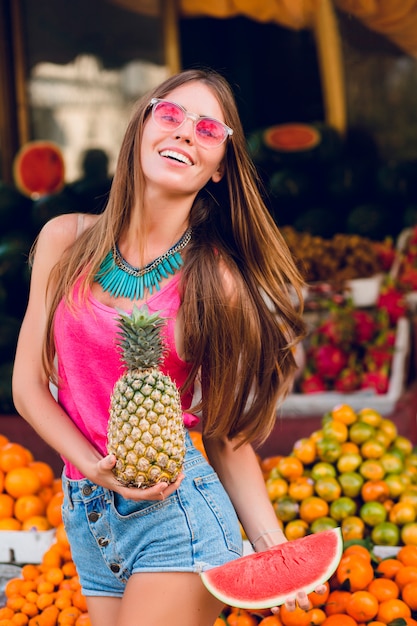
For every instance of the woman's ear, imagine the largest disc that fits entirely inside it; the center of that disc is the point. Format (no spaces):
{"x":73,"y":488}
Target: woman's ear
{"x":218,"y":174}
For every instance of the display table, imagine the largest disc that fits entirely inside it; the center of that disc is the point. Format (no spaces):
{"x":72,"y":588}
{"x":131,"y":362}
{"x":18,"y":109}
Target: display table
{"x":286,"y":431}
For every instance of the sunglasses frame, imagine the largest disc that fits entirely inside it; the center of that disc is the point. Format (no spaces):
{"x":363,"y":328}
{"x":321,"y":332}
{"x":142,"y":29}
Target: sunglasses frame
{"x":194,"y":117}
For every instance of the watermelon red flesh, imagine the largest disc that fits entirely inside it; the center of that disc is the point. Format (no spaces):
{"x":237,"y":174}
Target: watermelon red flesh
{"x":266,"y":579}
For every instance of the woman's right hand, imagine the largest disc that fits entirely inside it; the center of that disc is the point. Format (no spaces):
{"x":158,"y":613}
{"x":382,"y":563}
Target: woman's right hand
{"x":107,"y":479}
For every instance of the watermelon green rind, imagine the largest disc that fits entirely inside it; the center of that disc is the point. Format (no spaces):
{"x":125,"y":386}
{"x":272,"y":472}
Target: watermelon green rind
{"x":266,"y":579}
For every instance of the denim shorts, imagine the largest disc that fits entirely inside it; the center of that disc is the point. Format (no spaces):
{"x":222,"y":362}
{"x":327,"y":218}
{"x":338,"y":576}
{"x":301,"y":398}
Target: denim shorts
{"x":194,"y":529}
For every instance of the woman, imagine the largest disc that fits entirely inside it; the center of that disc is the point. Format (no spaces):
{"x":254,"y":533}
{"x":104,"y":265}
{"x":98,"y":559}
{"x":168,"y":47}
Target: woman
{"x":234,"y":328}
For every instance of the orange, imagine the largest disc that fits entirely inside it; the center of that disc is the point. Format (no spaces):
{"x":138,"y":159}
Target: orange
{"x":348,"y":462}
{"x":354,"y":571}
{"x":384,"y":589}
{"x":392,"y":609}
{"x":240,"y":617}
{"x":6,"y":505}
{"x":372,"y":449}
{"x":13,"y":455}
{"x":30,"y":571}
{"x":409,"y":534}
{"x":402,"y":513}
{"x":315,"y":616}
{"x":3,"y":440}
{"x":362,"y":606}
{"x":36,"y":522}
{"x":54,"y":509}
{"x":69,"y":615}
{"x":328,"y":488}
{"x":297,"y":617}
{"x":323,"y":523}
{"x":328,"y":449}
{"x":389,"y":567}
{"x":276,"y":487}
{"x":301,"y":488}
{"x":305,"y":450}
{"x":397,"y":484}
{"x":392,"y":463}
{"x":286,"y":508}
{"x":349,"y":446}
{"x":372,"y":469}
{"x":44,"y":471}
{"x":2,"y":475}
{"x":290,"y":467}
{"x":321,"y":469}
{"x":54,"y":575}
{"x":358,"y":549}
{"x":344,"y":413}
{"x":375,"y":490}
{"x":409,"y":495}
{"x":270,"y":620}
{"x":389,"y":428}
{"x":10,"y":523}
{"x":409,"y":595}
{"x":407,"y":574}
{"x":295,"y":529}
{"x":408,"y":555}
{"x":319,"y":599}
{"x":28,"y":506}
{"x":335,"y":429}
{"x":337,"y":601}
{"x":21,"y":481}
{"x":339,"y":619}
{"x":269,"y":463}
{"x":353,"y":527}
{"x":84,"y":620}
{"x":312,"y":508}
{"x":370,"y":416}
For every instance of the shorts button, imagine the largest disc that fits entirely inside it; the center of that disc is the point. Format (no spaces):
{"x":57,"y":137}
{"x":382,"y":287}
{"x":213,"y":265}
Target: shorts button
{"x":103,"y":542}
{"x":115,"y":568}
{"x":87,"y":490}
{"x":93,"y":516}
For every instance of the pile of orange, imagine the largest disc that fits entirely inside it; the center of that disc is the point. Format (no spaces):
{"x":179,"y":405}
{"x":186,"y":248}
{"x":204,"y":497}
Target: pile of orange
{"x":30,"y":494}
{"x":364,"y":591}
{"x":355,"y":472}
{"x":48,"y":594}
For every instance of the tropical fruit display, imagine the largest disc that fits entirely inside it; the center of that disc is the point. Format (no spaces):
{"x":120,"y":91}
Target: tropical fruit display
{"x":146,"y":428}
{"x":30,"y":494}
{"x":355,"y":472}
{"x":266,"y":579}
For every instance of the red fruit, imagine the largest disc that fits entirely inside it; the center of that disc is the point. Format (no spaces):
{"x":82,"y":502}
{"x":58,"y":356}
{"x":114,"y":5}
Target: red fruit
{"x":408,"y":278}
{"x":378,"y":356}
{"x":329,"y":360}
{"x":312,"y":383}
{"x":365,"y":326}
{"x":393,"y":301}
{"x":386,"y":253}
{"x":378,"y":380}
{"x":348,"y":380}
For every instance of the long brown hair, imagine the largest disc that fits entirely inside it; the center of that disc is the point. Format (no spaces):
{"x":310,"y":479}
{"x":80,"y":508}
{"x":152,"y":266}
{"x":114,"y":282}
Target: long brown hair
{"x":241,"y":345}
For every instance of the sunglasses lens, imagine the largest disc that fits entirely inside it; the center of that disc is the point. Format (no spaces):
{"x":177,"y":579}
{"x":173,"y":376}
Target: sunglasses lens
{"x":210,"y":132}
{"x":168,"y":115}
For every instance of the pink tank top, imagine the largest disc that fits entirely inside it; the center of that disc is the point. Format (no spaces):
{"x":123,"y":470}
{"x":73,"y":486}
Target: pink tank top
{"x":89,"y":363}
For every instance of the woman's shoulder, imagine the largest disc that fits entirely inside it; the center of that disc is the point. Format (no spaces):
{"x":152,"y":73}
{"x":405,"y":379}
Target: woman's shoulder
{"x":64,"y":229}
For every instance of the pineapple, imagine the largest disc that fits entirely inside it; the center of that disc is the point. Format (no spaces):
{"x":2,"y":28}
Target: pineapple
{"x":146,"y":430}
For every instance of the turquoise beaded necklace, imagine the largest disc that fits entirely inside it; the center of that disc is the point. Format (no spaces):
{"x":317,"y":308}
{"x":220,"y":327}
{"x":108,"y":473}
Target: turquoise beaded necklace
{"x":121,"y":279}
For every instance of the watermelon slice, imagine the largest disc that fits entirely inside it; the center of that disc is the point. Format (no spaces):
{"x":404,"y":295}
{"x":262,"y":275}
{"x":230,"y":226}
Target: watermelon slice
{"x":39,"y":169}
{"x":266,"y":579}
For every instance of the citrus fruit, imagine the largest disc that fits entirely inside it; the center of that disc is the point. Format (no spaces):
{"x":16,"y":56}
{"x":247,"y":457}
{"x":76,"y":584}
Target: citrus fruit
{"x":323,"y":523}
{"x":372,"y":469}
{"x":362,"y":606}
{"x":375,"y":490}
{"x":304,"y":449}
{"x":353,"y":527}
{"x":402,"y":513}
{"x":409,"y":534}
{"x":354,"y":571}
{"x":369,"y":416}
{"x":295,"y":529}
{"x":397,"y":484}
{"x":286,"y":508}
{"x":312,"y":508}
{"x":373,"y":513}
{"x":372,"y":449}
{"x":384,"y":589}
{"x":342,"y":507}
{"x":390,"y":610}
{"x":13,"y":455}
{"x":28,"y":506}
{"x":328,"y":488}
{"x":385,"y":534}
{"x":389,"y":428}
{"x":359,"y":432}
{"x":321,"y":469}
{"x":290,"y":467}
{"x":348,"y":462}
{"x":407,"y":555}
{"x":344,"y":413}
{"x":351,"y":483}
{"x":301,"y":488}
{"x":335,"y":429}
{"x":409,"y":595}
{"x":276,"y":487}
{"x":392,"y":463}
{"x":21,"y":481}
{"x":328,"y":450}
{"x":6,"y":505}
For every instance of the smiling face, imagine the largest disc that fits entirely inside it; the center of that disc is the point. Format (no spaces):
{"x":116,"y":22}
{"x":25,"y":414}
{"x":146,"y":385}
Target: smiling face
{"x":173,"y":160}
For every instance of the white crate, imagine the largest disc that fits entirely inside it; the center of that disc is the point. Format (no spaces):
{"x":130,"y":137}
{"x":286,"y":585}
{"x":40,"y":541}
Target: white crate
{"x":24,"y":546}
{"x":298,"y":404}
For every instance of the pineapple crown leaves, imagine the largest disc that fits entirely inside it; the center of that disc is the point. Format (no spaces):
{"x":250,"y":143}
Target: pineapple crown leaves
{"x":139,"y":338}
